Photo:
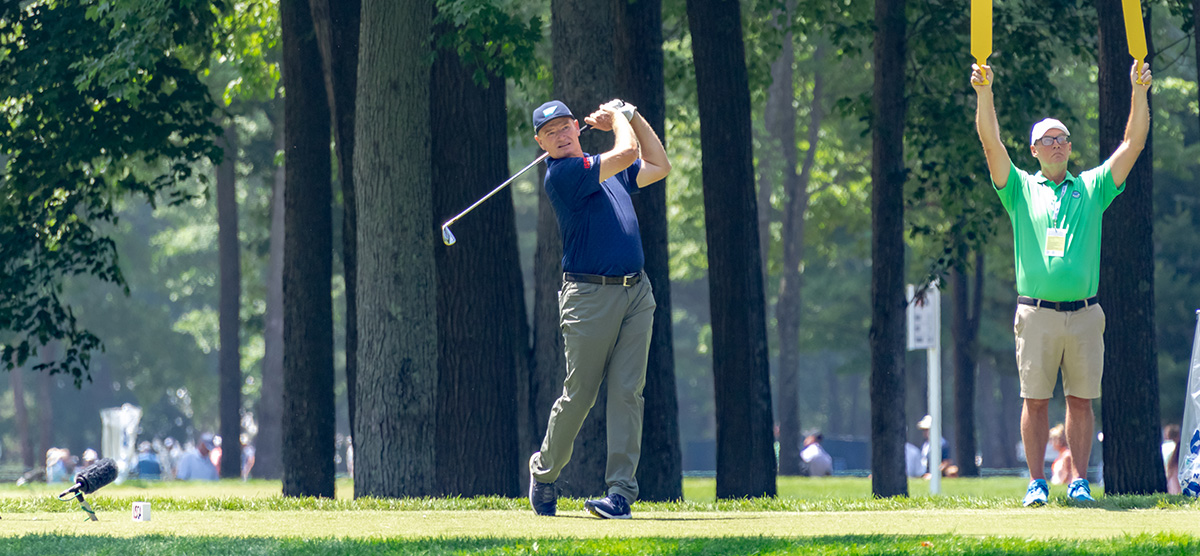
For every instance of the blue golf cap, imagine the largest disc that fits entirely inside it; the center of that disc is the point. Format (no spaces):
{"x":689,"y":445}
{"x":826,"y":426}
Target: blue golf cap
{"x":549,"y":111}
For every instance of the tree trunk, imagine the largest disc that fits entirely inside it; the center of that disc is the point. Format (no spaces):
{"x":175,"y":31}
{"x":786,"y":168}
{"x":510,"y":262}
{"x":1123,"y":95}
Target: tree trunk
{"x":337,"y":23}
{"x":477,"y":309}
{"x":308,"y":405}
{"x":1130,"y":409}
{"x":548,"y":361}
{"x":45,"y":406}
{"x":745,"y":443}
{"x":965,"y":330}
{"x":787,"y":312}
{"x":887,"y":254}
{"x":639,"y":59}
{"x":229,"y":253}
{"x":268,"y":457}
{"x":16,"y":380}
{"x":583,"y":85}
{"x":395,"y":444}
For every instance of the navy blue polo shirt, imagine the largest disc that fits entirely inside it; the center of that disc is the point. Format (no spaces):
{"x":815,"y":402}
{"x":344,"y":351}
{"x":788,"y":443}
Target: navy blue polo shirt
{"x":598,"y":225}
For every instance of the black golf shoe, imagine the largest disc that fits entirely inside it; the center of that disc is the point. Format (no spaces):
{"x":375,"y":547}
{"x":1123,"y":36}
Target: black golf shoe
{"x":613,"y":506}
{"x":543,"y":497}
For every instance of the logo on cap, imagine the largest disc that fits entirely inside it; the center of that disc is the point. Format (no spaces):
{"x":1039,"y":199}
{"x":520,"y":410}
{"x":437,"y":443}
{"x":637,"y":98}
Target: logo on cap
{"x":546,"y":113}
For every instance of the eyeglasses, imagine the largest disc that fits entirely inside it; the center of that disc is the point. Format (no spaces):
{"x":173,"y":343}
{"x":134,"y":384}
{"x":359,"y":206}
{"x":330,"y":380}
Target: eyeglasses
{"x":1061,"y":140}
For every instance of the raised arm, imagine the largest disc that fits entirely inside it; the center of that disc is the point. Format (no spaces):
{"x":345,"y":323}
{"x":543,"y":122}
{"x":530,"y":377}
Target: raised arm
{"x":989,"y":127}
{"x":655,"y":165}
{"x":1136,"y":128}
{"x":624,"y":151}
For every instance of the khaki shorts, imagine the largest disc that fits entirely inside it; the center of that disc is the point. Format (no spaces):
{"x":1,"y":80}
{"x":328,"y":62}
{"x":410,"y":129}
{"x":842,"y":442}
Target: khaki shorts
{"x":1048,"y":340}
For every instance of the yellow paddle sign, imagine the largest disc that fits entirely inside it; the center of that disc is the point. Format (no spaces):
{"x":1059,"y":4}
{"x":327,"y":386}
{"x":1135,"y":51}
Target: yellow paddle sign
{"x":981,"y":34}
{"x":1135,"y":34}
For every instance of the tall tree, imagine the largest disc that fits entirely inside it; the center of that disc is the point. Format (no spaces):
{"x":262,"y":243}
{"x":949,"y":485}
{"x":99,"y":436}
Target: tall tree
{"x":479,"y":312}
{"x":887,"y":253}
{"x":583,"y":85}
{"x":394,"y":440}
{"x":337,"y":27}
{"x":16,"y":381}
{"x":639,"y":61}
{"x":268,"y":459}
{"x":308,"y":405}
{"x":745,"y":442}
{"x":229,"y":319}
{"x":965,"y":330}
{"x":1129,"y":408}
{"x":781,"y":124}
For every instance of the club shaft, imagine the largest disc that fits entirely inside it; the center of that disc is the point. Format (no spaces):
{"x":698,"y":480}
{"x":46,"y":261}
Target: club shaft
{"x":503,"y":185}
{"x":496,"y":190}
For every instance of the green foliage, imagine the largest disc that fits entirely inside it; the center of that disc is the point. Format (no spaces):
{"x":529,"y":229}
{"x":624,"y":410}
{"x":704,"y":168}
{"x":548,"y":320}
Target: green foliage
{"x":247,"y":36}
{"x":95,"y":111}
{"x":487,"y":36}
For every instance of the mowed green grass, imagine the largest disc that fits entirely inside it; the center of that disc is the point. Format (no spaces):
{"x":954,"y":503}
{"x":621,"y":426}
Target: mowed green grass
{"x":824,"y":516}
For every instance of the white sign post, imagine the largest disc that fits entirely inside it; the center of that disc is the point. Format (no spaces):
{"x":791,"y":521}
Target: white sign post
{"x":924,"y":332}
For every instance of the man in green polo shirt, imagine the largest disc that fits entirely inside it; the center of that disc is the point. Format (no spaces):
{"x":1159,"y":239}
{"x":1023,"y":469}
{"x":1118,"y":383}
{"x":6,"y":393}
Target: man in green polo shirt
{"x":1056,"y":235}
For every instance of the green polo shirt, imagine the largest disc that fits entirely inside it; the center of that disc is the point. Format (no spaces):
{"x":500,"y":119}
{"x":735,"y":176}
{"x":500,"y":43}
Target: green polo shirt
{"x":1030,"y":202}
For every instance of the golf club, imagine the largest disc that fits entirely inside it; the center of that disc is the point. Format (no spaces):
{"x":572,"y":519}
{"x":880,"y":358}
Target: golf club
{"x":448,"y":237}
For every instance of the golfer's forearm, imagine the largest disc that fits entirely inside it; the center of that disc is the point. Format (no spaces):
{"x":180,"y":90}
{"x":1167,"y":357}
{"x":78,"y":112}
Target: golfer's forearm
{"x":652,"y":148}
{"x":624,"y":138}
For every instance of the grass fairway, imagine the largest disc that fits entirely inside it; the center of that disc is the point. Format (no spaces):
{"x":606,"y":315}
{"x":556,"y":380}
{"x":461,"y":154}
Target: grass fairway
{"x":830,"y":516}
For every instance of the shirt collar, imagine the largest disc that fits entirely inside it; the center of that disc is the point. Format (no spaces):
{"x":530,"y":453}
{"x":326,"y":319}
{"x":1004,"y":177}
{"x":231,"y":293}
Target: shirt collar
{"x":1047,"y":182}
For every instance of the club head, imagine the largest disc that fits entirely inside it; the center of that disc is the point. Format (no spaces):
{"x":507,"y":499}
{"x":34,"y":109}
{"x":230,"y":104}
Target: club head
{"x":447,"y":237}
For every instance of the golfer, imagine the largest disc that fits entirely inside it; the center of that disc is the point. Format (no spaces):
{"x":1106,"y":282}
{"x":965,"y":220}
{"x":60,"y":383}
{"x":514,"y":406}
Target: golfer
{"x":606,"y":306}
{"x":1056,"y":239}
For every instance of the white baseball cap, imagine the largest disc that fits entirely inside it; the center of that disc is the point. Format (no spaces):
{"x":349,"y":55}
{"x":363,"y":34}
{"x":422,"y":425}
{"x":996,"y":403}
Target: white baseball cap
{"x":1040,"y":129}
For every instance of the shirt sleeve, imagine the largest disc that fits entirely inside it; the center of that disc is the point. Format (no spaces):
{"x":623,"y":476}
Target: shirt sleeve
{"x":631,"y":174}
{"x":1100,"y":184}
{"x":1008,"y":195}
{"x":574,"y":179}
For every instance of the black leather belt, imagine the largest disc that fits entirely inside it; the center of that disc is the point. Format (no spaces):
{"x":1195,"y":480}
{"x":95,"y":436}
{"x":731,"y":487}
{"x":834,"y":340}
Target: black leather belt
{"x":626,"y":280}
{"x":1063,"y":306}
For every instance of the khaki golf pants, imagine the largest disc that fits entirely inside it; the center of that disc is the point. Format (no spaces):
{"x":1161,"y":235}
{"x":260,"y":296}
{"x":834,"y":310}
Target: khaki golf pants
{"x":606,"y":332}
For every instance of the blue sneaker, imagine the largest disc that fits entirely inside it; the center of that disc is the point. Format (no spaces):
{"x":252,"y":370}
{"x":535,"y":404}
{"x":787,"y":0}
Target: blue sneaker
{"x":1080,"y":491}
{"x":1037,"y":493}
{"x":543,"y":497}
{"x":613,"y":506}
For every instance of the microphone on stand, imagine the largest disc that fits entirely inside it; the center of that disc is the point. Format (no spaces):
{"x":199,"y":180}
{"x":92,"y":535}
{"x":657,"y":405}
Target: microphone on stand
{"x":91,"y":479}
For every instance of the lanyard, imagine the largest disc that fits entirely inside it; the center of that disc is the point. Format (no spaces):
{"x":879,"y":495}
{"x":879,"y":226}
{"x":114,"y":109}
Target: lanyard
{"x":1058,"y":208}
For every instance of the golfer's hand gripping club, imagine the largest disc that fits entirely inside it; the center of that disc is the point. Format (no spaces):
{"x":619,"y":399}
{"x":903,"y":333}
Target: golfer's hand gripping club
{"x":448,"y":236}
{"x":621,"y":107}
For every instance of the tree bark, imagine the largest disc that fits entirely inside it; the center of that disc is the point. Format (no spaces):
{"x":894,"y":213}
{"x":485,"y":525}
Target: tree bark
{"x":583,"y":85}
{"x":639,"y":60}
{"x":477,"y":308}
{"x":1130,"y":409}
{"x":337,"y":28}
{"x":308,"y":405}
{"x":887,"y":253}
{"x":395,"y":444}
{"x":268,"y":457}
{"x":965,"y":330}
{"x":745,"y":443}
{"x":229,"y":254}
